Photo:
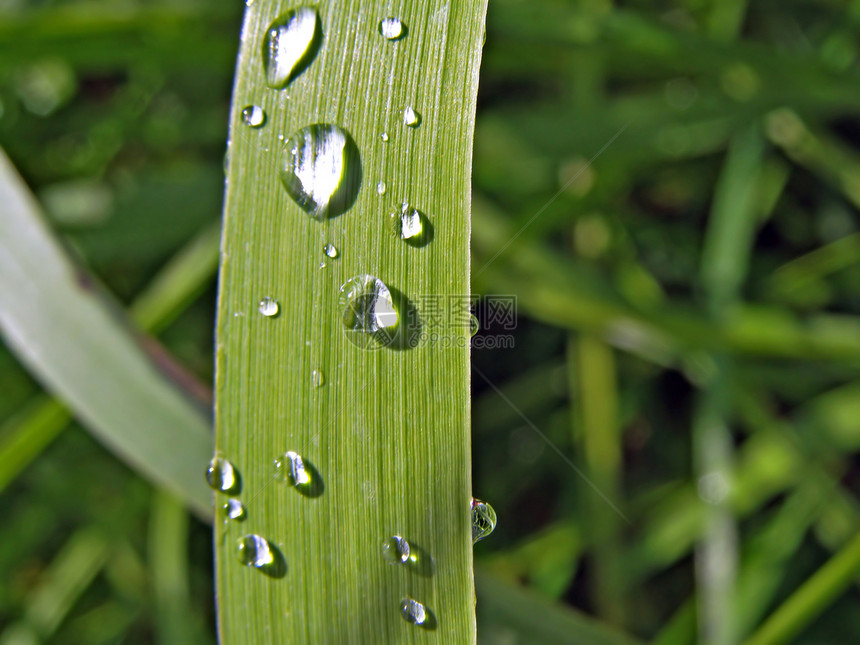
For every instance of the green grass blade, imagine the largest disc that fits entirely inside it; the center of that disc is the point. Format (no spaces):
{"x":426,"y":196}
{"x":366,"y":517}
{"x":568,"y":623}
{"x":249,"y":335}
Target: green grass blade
{"x":93,"y":360}
{"x":388,"y":431}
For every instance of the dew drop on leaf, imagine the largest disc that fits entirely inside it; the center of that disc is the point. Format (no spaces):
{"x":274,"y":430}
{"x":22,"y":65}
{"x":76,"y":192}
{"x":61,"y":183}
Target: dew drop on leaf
{"x":253,"y":116}
{"x":413,"y":611}
{"x":367,"y":310}
{"x":233,"y":509}
{"x":396,"y":550}
{"x":222,"y":476}
{"x":269,"y":307}
{"x":321,"y":170}
{"x":483,"y":520}
{"x":290,"y":43}
{"x":392,"y":28}
{"x":411,"y":117}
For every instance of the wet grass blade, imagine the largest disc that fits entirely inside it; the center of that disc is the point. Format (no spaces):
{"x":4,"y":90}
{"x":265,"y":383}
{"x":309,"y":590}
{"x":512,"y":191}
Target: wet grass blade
{"x":386,"y":431}
{"x":94,"y":360}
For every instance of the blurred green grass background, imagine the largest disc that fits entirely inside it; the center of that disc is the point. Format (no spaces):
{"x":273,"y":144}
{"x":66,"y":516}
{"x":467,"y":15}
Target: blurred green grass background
{"x":670,"y":190}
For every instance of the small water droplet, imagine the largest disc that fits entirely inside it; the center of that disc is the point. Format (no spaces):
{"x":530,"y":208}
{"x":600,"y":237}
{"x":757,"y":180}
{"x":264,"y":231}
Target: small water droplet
{"x":380,"y":188}
{"x":396,"y":550}
{"x":321,"y":170}
{"x":222,"y":476}
{"x":330,"y":250}
{"x":483,"y":520}
{"x":269,"y":307}
{"x":292,"y":469}
{"x":384,"y":137}
{"x":392,"y":28}
{"x":257,"y":552}
{"x":367,"y":310}
{"x":234,"y":510}
{"x":411,"y":117}
{"x":253,"y":116}
{"x":474,"y":325}
{"x":317,"y":378}
{"x":413,"y":611}
{"x":411,"y":226}
{"x":290,"y":43}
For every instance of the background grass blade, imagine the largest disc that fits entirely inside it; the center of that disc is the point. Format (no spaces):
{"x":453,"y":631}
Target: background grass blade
{"x":93,"y":361}
{"x":388,"y":430}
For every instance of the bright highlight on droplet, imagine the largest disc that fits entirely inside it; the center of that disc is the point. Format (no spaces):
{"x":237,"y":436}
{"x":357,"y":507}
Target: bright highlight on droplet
{"x":392,"y":28}
{"x":253,"y":116}
{"x":291,"y":469}
{"x":384,"y":137}
{"x":483,"y":520}
{"x":330,"y":250}
{"x":233,"y":509}
{"x":367,"y":310}
{"x":381,"y":188}
{"x":317,"y":378}
{"x":269,"y":307}
{"x":411,"y":117}
{"x":289,"y":45}
{"x":321,"y":170}
{"x":222,"y":476}
{"x":413,"y":611}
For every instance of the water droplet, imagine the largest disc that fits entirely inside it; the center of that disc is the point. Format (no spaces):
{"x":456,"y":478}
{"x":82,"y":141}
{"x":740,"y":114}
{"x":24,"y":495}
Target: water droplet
{"x":474,"y":325}
{"x":222,"y":475}
{"x":411,"y":226}
{"x":269,"y":307}
{"x":330,"y":250}
{"x":321,"y":170}
{"x":258,"y":553}
{"x":396,"y":550}
{"x":384,"y":137}
{"x":392,"y":28}
{"x":483,"y":520}
{"x":253,"y":116}
{"x":292,"y":468}
{"x":367,"y":310}
{"x":411,"y":117}
{"x":234,"y":510}
{"x":380,"y":188}
{"x":413,"y":611}
{"x":317,"y":378}
{"x":290,"y":44}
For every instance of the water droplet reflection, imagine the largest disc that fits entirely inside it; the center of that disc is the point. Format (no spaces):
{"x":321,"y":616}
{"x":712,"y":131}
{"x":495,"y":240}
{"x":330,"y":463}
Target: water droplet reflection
{"x":289,"y":45}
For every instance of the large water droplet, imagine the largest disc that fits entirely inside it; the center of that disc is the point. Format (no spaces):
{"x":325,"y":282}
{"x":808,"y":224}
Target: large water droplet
{"x":483,"y":520}
{"x":296,"y":471}
{"x":290,"y":44}
{"x":396,"y":550}
{"x":411,"y":117}
{"x":474,"y":325}
{"x":413,"y":611}
{"x":321,"y":170}
{"x":257,"y":552}
{"x":392,"y":28}
{"x":233,"y":509}
{"x":269,"y":307}
{"x":317,"y":378}
{"x":253,"y":116}
{"x":223,"y":476}
{"x":367,"y":310}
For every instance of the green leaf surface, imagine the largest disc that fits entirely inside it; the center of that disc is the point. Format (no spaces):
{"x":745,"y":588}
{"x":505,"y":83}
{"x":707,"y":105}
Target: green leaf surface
{"x":94,"y":361}
{"x":387,"y":433}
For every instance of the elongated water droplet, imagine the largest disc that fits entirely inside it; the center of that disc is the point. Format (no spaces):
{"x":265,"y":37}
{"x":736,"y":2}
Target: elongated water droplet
{"x":317,"y":378}
{"x":233,"y":509}
{"x":413,"y":611}
{"x":222,"y":476}
{"x":384,"y":137}
{"x":411,"y":117}
{"x":474,"y":325}
{"x":269,"y":307}
{"x":330,"y":250}
{"x":290,"y":43}
{"x":380,"y":188}
{"x":321,"y":170}
{"x":253,"y":116}
{"x":291,"y":469}
{"x":396,"y":550}
{"x":483,"y":520}
{"x":367,"y":310}
{"x":392,"y":28}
